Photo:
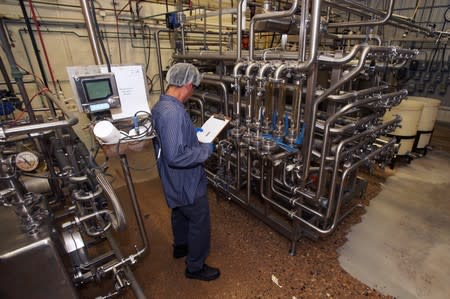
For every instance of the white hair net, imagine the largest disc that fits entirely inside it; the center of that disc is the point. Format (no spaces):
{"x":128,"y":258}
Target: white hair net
{"x":183,"y":73}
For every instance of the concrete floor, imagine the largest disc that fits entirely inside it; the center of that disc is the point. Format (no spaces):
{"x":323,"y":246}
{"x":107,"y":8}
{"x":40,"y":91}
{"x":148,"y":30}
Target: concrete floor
{"x":400,"y":248}
{"x":402,"y":245}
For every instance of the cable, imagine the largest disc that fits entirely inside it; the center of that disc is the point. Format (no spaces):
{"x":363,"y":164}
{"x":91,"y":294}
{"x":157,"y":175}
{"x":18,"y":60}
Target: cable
{"x":31,"y":99}
{"x":416,"y":9}
{"x":117,"y":14}
{"x":41,"y":39}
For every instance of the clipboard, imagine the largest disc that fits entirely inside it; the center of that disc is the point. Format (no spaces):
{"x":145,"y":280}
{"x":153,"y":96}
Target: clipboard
{"x":212,"y":127}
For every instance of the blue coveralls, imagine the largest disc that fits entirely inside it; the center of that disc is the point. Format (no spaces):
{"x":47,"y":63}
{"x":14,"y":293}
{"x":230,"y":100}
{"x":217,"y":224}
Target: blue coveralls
{"x":183,"y":178}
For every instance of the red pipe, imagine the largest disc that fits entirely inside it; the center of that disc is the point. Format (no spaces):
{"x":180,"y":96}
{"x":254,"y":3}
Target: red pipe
{"x":38,"y":28}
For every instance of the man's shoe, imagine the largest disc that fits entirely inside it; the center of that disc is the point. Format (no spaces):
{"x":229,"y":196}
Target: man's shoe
{"x":180,"y":251}
{"x":207,"y":273}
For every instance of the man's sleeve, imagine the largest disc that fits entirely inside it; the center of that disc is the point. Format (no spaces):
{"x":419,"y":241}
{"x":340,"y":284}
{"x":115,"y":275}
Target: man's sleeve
{"x":176,"y":152}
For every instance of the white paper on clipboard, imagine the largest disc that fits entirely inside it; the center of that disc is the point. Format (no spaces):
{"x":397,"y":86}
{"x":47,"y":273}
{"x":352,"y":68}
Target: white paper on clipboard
{"x":211,"y":128}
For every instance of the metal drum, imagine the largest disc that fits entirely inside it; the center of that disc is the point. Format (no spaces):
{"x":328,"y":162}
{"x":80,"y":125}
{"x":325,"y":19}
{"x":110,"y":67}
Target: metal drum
{"x":410,"y":112}
{"x":426,"y":122}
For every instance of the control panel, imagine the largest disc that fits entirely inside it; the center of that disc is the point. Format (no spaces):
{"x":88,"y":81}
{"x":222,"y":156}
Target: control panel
{"x":97,"y":92}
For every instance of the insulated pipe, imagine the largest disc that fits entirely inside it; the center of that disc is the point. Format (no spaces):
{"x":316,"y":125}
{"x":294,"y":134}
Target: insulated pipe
{"x":265,"y":16}
{"x":365,"y":23}
{"x":87,"y":14}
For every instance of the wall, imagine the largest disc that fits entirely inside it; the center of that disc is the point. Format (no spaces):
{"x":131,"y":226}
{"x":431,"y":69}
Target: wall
{"x":433,"y":74}
{"x":67,"y":43}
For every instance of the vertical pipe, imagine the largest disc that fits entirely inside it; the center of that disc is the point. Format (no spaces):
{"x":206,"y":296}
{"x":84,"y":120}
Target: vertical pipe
{"x":269,"y":15}
{"x":249,"y":174}
{"x":239,"y":29}
{"x":136,"y":209}
{"x":302,"y":31}
{"x":33,"y":43}
{"x":137,"y":290}
{"x":183,"y":41}
{"x":38,"y":56}
{"x":204,"y":28}
{"x":296,"y":112}
{"x":17,"y":74}
{"x":91,"y":32}
{"x":220,"y":27}
{"x":158,"y":55}
{"x":6,"y":76}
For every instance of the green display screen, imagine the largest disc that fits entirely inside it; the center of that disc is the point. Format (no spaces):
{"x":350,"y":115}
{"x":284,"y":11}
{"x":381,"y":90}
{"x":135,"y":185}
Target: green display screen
{"x":98,"y":89}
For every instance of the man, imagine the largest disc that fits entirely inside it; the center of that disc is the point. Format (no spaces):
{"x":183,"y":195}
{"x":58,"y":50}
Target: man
{"x":180,"y":166}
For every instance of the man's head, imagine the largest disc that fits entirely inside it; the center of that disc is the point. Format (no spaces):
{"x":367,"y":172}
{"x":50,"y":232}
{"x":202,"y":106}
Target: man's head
{"x":182,"y":79}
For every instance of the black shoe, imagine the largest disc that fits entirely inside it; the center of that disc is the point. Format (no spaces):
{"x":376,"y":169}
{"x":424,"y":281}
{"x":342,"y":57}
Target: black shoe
{"x":180,"y":251}
{"x":207,"y":273}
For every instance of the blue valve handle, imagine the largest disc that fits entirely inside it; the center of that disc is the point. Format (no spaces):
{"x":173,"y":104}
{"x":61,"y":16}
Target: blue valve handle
{"x":280,"y":143}
{"x":300,"y":135}
{"x":136,"y":124}
{"x":274,"y":120}
{"x":286,"y":124}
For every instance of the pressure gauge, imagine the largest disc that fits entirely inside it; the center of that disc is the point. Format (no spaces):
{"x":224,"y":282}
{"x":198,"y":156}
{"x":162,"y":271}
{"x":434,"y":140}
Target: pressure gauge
{"x":27,"y":161}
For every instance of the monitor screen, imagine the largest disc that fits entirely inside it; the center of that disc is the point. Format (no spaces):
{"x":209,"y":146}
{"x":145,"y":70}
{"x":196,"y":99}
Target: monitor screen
{"x":97,"y":89}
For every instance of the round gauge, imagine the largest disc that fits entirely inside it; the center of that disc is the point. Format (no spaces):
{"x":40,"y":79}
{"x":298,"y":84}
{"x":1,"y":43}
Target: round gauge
{"x":27,"y":161}
{"x":447,"y":15}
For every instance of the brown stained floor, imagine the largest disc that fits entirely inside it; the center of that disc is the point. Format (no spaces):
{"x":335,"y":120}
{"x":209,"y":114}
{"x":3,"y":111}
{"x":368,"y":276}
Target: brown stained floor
{"x":248,"y":253}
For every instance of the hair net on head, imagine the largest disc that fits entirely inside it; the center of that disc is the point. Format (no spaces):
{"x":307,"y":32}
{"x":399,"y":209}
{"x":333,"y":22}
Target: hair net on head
{"x":183,"y":73}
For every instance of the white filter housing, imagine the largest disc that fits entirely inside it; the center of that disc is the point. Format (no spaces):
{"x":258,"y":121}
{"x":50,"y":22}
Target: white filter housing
{"x":410,"y":112}
{"x":427,"y":120}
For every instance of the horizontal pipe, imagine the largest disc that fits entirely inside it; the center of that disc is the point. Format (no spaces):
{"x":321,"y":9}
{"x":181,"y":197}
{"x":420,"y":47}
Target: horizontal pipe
{"x":40,"y":127}
{"x":266,"y":16}
{"x":365,"y":23}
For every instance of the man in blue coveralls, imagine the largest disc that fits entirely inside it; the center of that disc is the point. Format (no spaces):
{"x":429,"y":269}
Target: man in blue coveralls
{"x":180,"y":166}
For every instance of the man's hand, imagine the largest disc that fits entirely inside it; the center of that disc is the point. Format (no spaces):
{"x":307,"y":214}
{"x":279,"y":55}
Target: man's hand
{"x":198,"y":130}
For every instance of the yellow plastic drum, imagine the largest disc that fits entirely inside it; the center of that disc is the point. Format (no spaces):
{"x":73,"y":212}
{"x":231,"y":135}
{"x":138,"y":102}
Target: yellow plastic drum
{"x":410,"y":112}
{"x":427,"y":121}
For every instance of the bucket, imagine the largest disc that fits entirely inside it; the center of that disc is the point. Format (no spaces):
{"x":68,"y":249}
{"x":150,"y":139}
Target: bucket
{"x":410,"y":112}
{"x":426,"y":122}
{"x":107,"y":132}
